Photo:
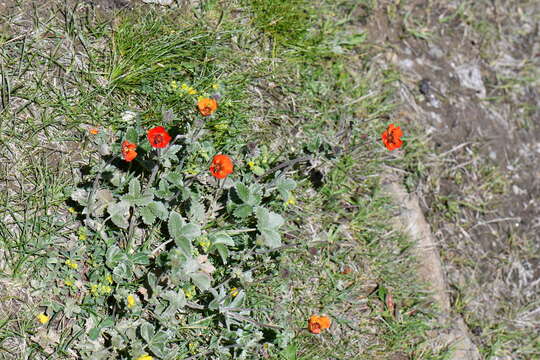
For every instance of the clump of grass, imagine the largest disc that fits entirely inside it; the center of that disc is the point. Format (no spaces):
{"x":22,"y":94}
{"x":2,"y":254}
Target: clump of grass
{"x":287,"y":22}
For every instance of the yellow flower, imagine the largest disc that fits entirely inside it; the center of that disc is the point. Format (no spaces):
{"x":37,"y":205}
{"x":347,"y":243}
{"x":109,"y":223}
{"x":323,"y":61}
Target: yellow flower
{"x":144,"y":357}
{"x":204,"y":243}
{"x":105,"y":289}
{"x":82,"y":233}
{"x":189,"y":292}
{"x":234,"y":291}
{"x":72,"y":210}
{"x":72,"y":264}
{"x":251,"y":163}
{"x":192,"y":347}
{"x":109,"y":279}
{"x":43,"y":318}
{"x":68,"y":282}
{"x":174,"y":85}
{"x":192,"y":91}
{"x":94,"y":289}
{"x":131,"y":301}
{"x":215,"y":86}
{"x":290,"y":201}
{"x":185,"y":87}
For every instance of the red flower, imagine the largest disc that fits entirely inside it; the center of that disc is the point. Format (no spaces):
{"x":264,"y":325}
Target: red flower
{"x":222,"y":166}
{"x":158,"y":137}
{"x":317,"y":323}
{"x":207,"y":106}
{"x":128,"y":150}
{"x":391,"y":137}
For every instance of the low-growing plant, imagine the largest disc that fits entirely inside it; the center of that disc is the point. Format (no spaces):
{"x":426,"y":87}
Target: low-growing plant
{"x":166,"y":223}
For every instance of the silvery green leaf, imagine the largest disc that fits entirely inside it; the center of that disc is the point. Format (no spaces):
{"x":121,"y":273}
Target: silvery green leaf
{"x":184,"y":244}
{"x":132,"y":136}
{"x":113,"y":256}
{"x":285,"y":186}
{"x":263,"y":216}
{"x":196,"y":212}
{"x":134,"y":187}
{"x":118,"y":178}
{"x":271,"y":238}
{"x":176,"y":222}
{"x":71,"y":308}
{"x":117,"y":341}
{"x":163,"y":191}
{"x":165,"y":161}
{"x":121,"y":272}
{"x":159,"y":342}
{"x":275,"y":220}
{"x":172,"y":150}
{"x":139,"y":200}
{"x":153,"y":210}
{"x":140,"y":258}
{"x":201,"y":280}
{"x":175,"y":178}
{"x":152,"y":281}
{"x":119,"y":213}
{"x":243,"y":211}
{"x":221,"y":238}
{"x":159,"y":209}
{"x":191,"y":231}
{"x":147,"y":215}
{"x":242,"y":191}
{"x":191,"y":265}
{"x":80,"y":196}
{"x":268,"y":219}
{"x":104,"y":195}
{"x":177,"y":300}
{"x":223,"y":252}
{"x":238,"y":299}
{"x":257,"y":170}
{"x":147,"y":331}
{"x":182,"y":233}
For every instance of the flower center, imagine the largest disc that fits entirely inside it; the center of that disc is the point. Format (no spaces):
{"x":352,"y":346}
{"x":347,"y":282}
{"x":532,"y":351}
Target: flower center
{"x":158,"y":139}
{"x":391,"y":137}
{"x":217,"y":167}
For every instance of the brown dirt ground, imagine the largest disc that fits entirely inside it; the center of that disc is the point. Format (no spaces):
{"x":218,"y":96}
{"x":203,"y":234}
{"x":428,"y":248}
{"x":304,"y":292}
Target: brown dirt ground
{"x":472,"y":84}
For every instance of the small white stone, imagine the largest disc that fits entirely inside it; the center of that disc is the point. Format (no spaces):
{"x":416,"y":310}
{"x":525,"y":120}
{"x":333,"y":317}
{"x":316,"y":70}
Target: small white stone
{"x":160,"y":2}
{"x":129,"y":116}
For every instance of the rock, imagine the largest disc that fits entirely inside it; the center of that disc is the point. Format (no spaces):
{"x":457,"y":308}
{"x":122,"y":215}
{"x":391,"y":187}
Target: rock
{"x":470,"y":77}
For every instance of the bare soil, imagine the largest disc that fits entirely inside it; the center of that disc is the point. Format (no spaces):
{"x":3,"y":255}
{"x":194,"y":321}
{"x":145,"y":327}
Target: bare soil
{"x":470,"y":80}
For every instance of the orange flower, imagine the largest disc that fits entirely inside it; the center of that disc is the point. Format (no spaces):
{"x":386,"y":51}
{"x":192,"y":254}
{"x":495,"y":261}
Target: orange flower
{"x":158,"y":137}
{"x":207,"y":106}
{"x":391,"y":137}
{"x":93,"y":131}
{"x":222,"y":166}
{"x":128,"y":150}
{"x":317,"y":323}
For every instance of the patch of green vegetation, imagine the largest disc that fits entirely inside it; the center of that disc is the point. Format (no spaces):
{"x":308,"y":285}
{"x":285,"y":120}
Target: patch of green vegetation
{"x":302,"y":111}
{"x":288,"y":22}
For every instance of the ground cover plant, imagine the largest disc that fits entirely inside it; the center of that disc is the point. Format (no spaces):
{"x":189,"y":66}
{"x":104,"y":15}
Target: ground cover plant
{"x":200,"y":182}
